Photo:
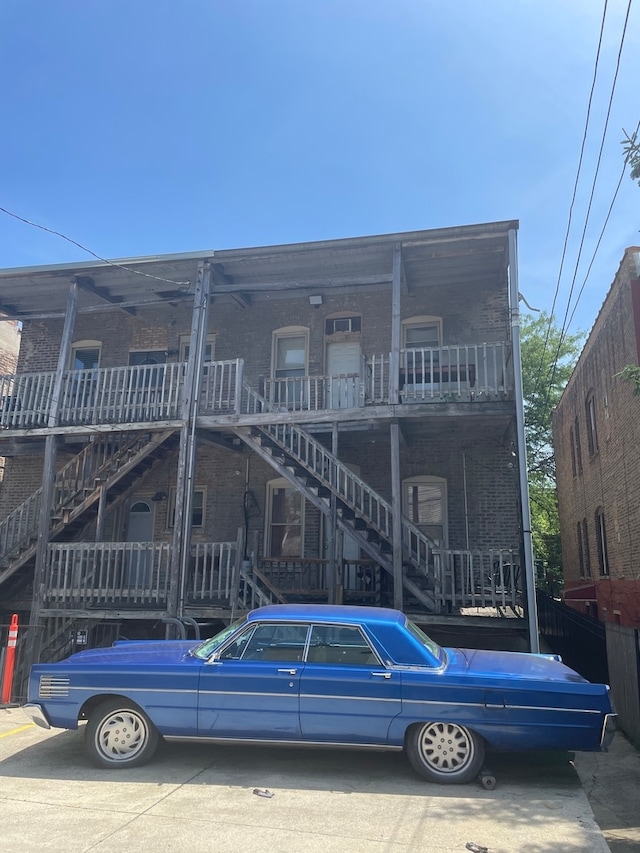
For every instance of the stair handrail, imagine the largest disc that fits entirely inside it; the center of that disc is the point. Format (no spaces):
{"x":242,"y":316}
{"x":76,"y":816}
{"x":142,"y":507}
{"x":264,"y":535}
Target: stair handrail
{"x":420,"y":554}
{"x":30,"y":508}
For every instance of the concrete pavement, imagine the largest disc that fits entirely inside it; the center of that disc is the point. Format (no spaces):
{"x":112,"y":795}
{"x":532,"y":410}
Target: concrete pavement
{"x":200,"y":798}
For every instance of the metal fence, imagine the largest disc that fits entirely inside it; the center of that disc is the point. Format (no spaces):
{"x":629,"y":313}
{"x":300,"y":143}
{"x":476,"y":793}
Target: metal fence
{"x":580,"y":640}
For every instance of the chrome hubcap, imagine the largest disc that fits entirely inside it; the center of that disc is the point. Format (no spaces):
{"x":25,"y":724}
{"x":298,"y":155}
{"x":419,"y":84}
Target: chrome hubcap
{"x":121,"y":735}
{"x":446,"y":747}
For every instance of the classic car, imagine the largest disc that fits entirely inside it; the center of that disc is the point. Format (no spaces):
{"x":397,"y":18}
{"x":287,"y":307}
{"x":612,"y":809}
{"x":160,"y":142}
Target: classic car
{"x":322,"y":675}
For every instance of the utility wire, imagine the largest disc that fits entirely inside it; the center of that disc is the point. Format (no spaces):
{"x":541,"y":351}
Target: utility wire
{"x":606,"y":221}
{"x":573,"y":197}
{"x":595,"y":177}
{"x":565,"y":324}
{"x":84,"y":249}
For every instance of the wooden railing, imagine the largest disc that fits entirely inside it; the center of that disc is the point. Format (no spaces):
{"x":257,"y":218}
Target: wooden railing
{"x":153,"y":392}
{"x":107,"y":574}
{"x":113,"y":395}
{"x":480,"y":578}
{"x":110,"y":575}
{"x":464,"y":371}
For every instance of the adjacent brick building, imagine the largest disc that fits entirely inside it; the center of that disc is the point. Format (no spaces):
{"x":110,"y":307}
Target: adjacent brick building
{"x":596,"y":429}
{"x":194,"y":435}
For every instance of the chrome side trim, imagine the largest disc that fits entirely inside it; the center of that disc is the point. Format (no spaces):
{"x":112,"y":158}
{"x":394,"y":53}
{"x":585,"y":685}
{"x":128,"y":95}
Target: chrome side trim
{"x":53,"y":687}
{"x":502,"y":707}
{"x":36,"y":715}
{"x":278,"y":742}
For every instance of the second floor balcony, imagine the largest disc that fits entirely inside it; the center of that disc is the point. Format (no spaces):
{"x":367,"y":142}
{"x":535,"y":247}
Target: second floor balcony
{"x":142,"y":394}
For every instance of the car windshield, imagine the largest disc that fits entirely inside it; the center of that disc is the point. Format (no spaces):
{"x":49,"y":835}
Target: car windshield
{"x":425,"y":640}
{"x":206,"y":648}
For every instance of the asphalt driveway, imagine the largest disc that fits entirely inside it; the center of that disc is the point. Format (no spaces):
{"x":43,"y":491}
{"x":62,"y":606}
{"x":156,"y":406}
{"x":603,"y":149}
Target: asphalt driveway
{"x":201,"y":799}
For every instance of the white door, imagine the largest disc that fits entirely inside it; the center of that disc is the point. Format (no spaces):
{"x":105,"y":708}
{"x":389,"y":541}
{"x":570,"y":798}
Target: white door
{"x":343,"y":357}
{"x":139,"y":566}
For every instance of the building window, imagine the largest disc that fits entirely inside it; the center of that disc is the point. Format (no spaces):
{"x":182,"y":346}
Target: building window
{"x":85,"y":355}
{"x":572,"y":442}
{"x":584,"y":559}
{"x":342,"y":325}
{"x":422,"y":332}
{"x":209,"y":349}
{"x":601,"y":540}
{"x":289,"y":360}
{"x":585,"y":549}
{"x":285,"y":520}
{"x":197,"y":507}
{"x":592,"y":434}
{"x":425,"y":505}
{"x":576,"y":435}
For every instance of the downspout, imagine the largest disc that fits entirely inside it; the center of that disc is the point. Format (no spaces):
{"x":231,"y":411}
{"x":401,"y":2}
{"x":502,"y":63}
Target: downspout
{"x":514,"y":296}
{"x":466,"y":498}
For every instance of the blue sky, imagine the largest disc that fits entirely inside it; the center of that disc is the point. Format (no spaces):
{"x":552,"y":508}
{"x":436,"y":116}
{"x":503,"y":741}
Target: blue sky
{"x":141,"y":127}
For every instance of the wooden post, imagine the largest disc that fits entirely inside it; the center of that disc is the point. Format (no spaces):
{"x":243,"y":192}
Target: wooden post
{"x":394,"y":357}
{"x":102,"y":508}
{"x":396,"y":506}
{"x":332,"y":539}
{"x":187,"y":453}
{"x":48,"y":480}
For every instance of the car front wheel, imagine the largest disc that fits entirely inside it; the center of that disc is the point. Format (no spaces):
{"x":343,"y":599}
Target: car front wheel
{"x":119,"y":734}
{"x":445,"y":752}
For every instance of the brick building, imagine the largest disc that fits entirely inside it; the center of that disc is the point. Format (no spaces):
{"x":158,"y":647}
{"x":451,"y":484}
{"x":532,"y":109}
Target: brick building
{"x":194,"y":435}
{"x":596,"y":434}
{"x":9,"y":346}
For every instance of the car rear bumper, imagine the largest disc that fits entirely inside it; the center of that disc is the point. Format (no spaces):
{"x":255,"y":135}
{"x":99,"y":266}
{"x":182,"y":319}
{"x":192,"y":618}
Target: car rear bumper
{"x":608,"y":730}
{"x":37,"y":715}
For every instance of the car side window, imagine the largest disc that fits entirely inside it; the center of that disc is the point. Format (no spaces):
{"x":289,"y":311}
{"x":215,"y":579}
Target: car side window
{"x":273,"y":642}
{"x":340,"y":644}
{"x":236,"y":649}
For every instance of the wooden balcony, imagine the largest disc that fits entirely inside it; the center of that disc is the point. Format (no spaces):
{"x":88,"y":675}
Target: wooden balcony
{"x":152,"y":394}
{"x":90,"y":576}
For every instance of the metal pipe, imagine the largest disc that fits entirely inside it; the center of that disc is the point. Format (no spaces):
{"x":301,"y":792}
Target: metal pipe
{"x":532,"y":609}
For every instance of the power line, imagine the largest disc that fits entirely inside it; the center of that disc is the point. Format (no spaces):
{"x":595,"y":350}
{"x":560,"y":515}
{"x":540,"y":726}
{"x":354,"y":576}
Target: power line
{"x":84,"y":249}
{"x":565,"y":324}
{"x":573,"y":197}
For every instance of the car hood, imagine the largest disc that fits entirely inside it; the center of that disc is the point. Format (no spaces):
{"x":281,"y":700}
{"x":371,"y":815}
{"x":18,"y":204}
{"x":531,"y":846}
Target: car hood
{"x":131,"y":652}
{"x":510,"y":665}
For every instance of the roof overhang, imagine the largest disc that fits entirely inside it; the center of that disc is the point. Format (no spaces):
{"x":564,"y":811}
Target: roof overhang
{"x":469,"y":255}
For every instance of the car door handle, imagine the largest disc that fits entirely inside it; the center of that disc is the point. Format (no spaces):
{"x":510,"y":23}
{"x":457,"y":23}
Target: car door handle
{"x":288,"y":671}
{"x":382,"y":674}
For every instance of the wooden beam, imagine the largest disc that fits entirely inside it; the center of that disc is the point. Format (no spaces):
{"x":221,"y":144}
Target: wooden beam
{"x":394,"y":356}
{"x":87,"y":284}
{"x":396,"y":508}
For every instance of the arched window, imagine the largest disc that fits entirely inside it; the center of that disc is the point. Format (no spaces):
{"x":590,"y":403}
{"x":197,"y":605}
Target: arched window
{"x":592,"y":432}
{"x":601,"y":541}
{"x":289,"y":365}
{"x":85,"y":355}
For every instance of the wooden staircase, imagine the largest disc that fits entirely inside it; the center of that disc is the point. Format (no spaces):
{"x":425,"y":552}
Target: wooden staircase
{"x":361,"y":512}
{"x":112,"y":463}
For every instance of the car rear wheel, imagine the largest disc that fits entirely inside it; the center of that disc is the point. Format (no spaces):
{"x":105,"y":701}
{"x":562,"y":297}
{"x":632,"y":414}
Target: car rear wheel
{"x":119,"y":734}
{"x":445,"y":752}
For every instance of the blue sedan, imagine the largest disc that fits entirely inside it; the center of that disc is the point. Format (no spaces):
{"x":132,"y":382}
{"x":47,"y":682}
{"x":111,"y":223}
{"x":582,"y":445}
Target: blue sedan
{"x":322,"y":675}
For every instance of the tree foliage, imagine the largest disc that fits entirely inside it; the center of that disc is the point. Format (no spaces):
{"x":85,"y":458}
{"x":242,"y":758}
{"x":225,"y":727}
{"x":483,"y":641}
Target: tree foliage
{"x":631,"y":148}
{"x":548,"y":359}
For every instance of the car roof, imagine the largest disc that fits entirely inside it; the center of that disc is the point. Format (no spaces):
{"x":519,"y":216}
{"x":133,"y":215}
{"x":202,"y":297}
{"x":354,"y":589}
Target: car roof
{"x":327,"y":613}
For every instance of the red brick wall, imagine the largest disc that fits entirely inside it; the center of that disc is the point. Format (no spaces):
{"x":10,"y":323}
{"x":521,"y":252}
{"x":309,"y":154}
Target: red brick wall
{"x":610,"y":476}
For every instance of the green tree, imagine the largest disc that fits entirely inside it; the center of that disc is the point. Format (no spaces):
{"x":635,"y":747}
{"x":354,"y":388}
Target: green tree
{"x":631,"y":148}
{"x":548,"y":359}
